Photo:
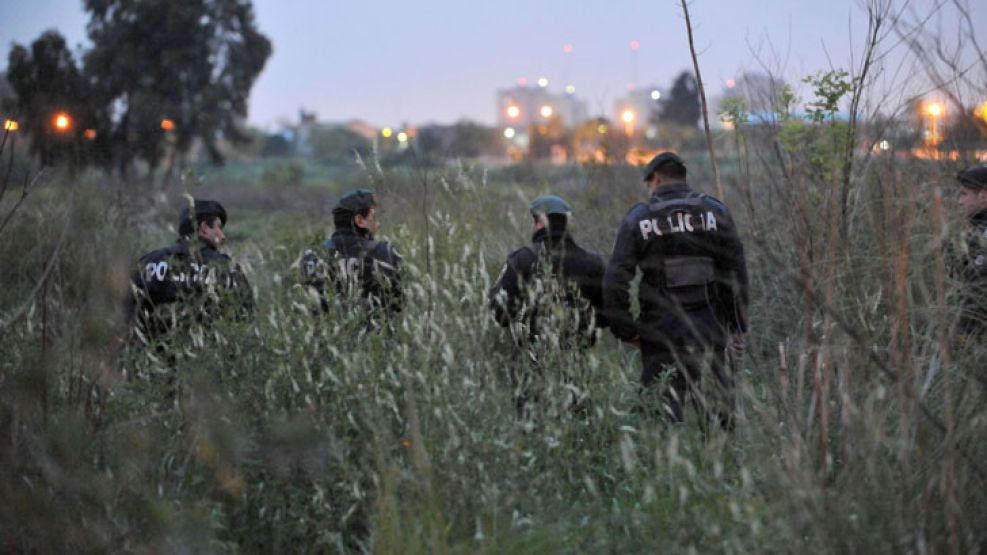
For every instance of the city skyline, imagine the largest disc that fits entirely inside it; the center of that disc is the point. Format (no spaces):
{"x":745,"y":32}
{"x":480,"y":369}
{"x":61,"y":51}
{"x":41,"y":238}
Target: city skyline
{"x":442,"y":61}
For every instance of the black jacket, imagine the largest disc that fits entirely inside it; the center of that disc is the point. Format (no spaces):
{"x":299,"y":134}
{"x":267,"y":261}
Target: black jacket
{"x":694,"y":283}
{"x":967,"y":260}
{"x":184,"y":271}
{"x":349,"y":265}
{"x":570,"y":264}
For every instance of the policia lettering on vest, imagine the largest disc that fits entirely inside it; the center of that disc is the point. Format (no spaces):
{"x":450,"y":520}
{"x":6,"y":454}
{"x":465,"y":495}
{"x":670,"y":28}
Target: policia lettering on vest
{"x":693,"y":293}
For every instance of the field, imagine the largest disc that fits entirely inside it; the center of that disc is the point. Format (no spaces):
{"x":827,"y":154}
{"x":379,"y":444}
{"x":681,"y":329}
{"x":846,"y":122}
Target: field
{"x":864,"y":423}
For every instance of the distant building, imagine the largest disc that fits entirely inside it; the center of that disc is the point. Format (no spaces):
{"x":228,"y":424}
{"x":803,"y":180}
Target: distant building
{"x":522,"y":106}
{"x":638,"y":109}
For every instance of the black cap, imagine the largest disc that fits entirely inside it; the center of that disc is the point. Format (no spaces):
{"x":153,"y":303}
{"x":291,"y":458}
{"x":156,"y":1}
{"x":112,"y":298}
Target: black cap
{"x":205,"y":211}
{"x":355,"y":201}
{"x":664,"y":159}
{"x":973,"y":178}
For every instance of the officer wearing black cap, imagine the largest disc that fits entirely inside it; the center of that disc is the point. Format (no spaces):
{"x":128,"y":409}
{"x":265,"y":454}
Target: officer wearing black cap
{"x":578,"y":274}
{"x":351,"y":264}
{"x":192,"y":269}
{"x":693,"y":293}
{"x":967,"y":257}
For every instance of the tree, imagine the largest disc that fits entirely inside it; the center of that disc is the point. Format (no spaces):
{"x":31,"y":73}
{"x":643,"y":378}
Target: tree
{"x":681,"y":105}
{"x":191,"y":63}
{"x":47,"y":83}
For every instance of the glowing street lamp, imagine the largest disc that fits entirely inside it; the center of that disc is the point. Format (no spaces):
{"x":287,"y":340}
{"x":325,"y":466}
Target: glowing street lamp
{"x":627,"y":116}
{"x":567,"y":48}
{"x":386,"y":132}
{"x":167,"y":124}
{"x":731,"y":83}
{"x":543,"y":82}
{"x":62,"y":122}
{"x":11,"y":125}
{"x":546,"y":111}
{"x":509,"y":133}
{"x":635,"y":44}
{"x":513,"y":111}
{"x":402,"y":137}
{"x":656,"y":95}
{"x":89,"y":134}
{"x":934,"y":110}
{"x":570,"y":89}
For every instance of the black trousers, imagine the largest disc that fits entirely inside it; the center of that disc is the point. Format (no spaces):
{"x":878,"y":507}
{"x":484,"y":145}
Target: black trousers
{"x":697,"y":372}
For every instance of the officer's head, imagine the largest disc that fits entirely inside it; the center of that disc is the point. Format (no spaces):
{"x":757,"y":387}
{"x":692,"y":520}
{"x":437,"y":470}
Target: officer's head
{"x":550,"y":211}
{"x":666,"y":167}
{"x":204,"y":218}
{"x":973,"y":190}
{"x":357,"y":211}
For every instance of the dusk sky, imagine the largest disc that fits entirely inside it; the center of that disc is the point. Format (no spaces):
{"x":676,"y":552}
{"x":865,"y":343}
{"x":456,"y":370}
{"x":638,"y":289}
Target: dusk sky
{"x":389,"y":62}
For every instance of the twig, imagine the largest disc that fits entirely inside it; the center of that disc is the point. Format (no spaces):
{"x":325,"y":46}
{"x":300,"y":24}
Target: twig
{"x":702,"y":97}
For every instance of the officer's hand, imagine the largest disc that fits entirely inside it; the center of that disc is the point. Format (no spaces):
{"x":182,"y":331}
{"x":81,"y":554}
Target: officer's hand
{"x":738,"y":345}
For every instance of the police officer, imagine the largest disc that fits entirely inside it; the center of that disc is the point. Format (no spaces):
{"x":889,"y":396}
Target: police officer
{"x":193,"y":269}
{"x":693,"y":293}
{"x":967,"y":257}
{"x":352,"y":265}
{"x":551,"y":276}
{"x":576,"y":273}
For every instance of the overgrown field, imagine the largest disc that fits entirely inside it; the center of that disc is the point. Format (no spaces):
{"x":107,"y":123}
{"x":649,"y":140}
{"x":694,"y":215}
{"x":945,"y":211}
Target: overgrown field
{"x":863,"y":430}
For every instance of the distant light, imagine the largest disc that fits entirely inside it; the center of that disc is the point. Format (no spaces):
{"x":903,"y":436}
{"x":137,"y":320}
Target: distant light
{"x":546,"y":111}
{"x":571,"y":89}
{"x":884,"y":145}
{"x":542,"y":82}
{"x":522,"y":82}
{"x":567,"y":48}
{"x":89,"y":134}
{"x":11,"y":125}
{"x":656,"y":95}
{"x":627,"y":116}
{"x":731,"y":83}
{"x":386,"y":132}
{"x":513,"y":111}
{"x":509,"y":133}
{"x":631,"y":87}
{"x":402,"y":137}
{"x":651,"y":133}
{"x":935,"y":109}
{"x":601,"y":129}
{"x":167,"y":124}
{"x":62,"y":122}
{"x":635,"y":44}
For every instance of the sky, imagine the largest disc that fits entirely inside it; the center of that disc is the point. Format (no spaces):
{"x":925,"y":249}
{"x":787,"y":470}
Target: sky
{"x":390,"y":62}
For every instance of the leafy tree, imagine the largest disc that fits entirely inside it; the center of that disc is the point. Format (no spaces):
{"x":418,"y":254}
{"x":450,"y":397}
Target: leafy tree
{"x":191,"y":62}
{"x":681,"y":105}
{"x":47,"y":82}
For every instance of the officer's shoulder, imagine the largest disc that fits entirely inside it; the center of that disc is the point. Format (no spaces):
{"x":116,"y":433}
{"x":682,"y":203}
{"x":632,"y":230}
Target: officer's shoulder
{"x":522,"y":256}
{"x":384,"y":250}
{"x":157,"y":255}
{"x":637,"y":211}
{"x":716,"y":203}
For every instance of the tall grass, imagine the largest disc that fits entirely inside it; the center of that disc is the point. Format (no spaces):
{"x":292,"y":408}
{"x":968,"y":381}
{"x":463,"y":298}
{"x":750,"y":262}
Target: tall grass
{"x":294,"y":432}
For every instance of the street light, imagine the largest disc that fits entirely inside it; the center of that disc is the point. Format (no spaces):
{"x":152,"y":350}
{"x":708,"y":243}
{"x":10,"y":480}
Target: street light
{"x":934,"y":110}
{"x":546,"y":111}
{"x":89,"y":134}
{"x":386,"y":132}
{"x":402,"y":137}
{"x":167,"y":124}
{"x":11,"y":125}
{"x":656,"y":95}
{"x":509,"y":133}
{"x":570,"y":89}
{"x":543,"y":82}
{"x":513,"y":111}
{"x":627,"y":116}
{"x":62,"y":122}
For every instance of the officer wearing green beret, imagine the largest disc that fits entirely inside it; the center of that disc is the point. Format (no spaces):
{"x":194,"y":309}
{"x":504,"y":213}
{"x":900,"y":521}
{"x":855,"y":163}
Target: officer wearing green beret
{"x":352,"y":268}
{"x":552,"y":279}
{"x":967,"y":256}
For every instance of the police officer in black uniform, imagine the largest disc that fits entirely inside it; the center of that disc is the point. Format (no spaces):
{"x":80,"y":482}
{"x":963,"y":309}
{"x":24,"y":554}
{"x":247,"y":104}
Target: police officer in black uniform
{"x":577,"y":274}
{"x":967,"y":257}
{"x":693,"y":293}
{"x":192,"y":270}
{"x":553,"y":276}
{"x":353,"y":267}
